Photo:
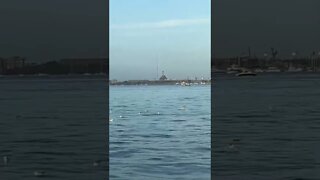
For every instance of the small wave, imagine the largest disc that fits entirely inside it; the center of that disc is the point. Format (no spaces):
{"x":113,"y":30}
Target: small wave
{"x":178,"y":120}
{"x":36,"y":117}
{"x":37,"y":141}
{"x":52,"y":153}
{"x":253,"y":116}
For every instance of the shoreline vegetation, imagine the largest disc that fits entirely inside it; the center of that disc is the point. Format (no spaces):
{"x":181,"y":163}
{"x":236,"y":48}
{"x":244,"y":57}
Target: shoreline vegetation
{"x":72,"y":66}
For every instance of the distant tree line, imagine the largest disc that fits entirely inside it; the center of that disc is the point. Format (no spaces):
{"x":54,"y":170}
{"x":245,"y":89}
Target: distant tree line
{"x":66,"y":66}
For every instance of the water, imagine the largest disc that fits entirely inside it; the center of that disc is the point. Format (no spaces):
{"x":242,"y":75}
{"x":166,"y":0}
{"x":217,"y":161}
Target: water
{"x":53,"y":125}
{"x":266,"y":127}
{"x":160,"y":132}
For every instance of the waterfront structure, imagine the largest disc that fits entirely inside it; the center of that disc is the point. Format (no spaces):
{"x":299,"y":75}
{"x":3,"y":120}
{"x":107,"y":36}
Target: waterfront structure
{"x":292,"y":64}
{"x":159,"y":82}
{"x":314,"y":61}
{"x":2,"y":67}
{"x":10,"y":64}
{"x":163,"y":77}
{"x":86,"y":65}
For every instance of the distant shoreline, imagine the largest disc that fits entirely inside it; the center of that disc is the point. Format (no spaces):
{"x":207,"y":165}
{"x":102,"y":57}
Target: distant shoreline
{"x":161,"y":82}
{"x":52,"y":76}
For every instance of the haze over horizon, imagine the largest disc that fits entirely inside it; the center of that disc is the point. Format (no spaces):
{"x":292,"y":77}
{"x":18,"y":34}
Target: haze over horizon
{"x":173,"y":36}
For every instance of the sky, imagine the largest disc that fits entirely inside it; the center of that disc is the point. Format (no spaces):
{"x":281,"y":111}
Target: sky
{"x":173,"y":36}
{"x":45,"y":30}
{"x":287,"y":25}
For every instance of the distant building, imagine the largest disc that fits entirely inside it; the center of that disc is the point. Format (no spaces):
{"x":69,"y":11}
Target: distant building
{"x":10,"y":64}
{"x":163,"y":77}
{"x":2,"y":69}
{"x":86,"y":65}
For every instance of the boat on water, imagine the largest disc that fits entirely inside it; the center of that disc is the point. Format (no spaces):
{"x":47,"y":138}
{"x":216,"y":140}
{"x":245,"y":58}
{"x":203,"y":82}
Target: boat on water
{"x":184,"y":84}
{"x":234,"y":69}
{"x":246,"y":73}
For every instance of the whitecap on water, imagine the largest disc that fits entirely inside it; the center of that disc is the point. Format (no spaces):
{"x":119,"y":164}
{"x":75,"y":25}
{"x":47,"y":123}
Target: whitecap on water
{"x":5,"y":160}
{"x":39,"y":173}
{"x":182,"y":108}
{"x":110,"y":119}
{"x":96,"y":163}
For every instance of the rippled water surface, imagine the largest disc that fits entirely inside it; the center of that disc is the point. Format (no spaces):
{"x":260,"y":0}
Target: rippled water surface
{"x":266,"y":127}
{"x":160,"y":132}
{"x":53,"y":128}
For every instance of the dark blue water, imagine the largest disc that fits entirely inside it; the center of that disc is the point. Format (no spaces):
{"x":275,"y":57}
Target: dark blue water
{"x":266,"y":127}
{"x":54,"y":127}
{"x":160,"y":132}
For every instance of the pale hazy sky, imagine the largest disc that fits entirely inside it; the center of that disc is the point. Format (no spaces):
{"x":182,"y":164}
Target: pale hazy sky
{"x":174,"y":33}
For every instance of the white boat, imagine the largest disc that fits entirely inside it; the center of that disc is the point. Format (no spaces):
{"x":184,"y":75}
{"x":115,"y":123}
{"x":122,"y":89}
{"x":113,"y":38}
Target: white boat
{"x":246,"y":73}
{"x":184,"y":83}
